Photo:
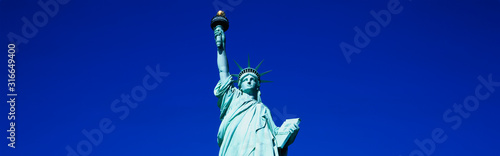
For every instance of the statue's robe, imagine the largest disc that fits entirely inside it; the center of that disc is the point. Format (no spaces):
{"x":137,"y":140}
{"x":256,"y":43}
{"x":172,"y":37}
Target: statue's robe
{"x":247,"y":128}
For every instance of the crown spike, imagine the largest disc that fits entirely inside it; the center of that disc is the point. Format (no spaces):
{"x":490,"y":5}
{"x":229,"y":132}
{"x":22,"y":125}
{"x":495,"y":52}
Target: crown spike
{"x":264,"y":73}
{"x":265,"y":81}
{"x":235,"y":75}
{"x":238,"y":65}
{"x":248,"y":60}
{"x":257,"y":68}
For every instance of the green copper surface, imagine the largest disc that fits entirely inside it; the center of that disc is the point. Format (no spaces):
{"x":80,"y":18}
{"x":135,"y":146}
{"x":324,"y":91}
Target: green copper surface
{"x":247,"y":127}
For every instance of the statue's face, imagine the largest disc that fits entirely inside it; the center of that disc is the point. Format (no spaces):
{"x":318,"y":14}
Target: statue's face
{"x":219,"y":36}
{"x":249,"y":84}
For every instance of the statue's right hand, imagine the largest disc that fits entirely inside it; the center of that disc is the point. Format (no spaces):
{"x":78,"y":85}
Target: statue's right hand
{"x":219,"y":37}
{"x":217,"y":31}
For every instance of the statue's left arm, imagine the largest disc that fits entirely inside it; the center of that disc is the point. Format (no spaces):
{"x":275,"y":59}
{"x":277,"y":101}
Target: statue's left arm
{"x":284,"y":130}
{"x":272,"y":126}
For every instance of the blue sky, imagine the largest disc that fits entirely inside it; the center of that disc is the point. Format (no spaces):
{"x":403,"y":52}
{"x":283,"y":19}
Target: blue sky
{"x":397,"y":90}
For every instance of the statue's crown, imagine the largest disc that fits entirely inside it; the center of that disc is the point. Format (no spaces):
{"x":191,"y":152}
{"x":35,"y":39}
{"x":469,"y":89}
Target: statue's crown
{"x":251,"y":70}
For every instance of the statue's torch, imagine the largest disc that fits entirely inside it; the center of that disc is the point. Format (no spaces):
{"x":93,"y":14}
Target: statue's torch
{"x":220,"y":19}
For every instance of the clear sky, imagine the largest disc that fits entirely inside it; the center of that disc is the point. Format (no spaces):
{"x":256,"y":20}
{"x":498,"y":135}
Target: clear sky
{"x":362,"y":83}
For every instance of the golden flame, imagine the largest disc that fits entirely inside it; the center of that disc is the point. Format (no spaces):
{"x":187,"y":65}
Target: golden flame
{"x":221,"y":13}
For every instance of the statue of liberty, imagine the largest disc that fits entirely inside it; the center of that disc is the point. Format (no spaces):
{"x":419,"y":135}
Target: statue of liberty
{"x":247,"y":127}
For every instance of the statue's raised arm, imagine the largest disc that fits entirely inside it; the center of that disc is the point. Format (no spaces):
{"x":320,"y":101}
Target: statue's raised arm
{"x":222,"y":64}
{"x":219,"y":25}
